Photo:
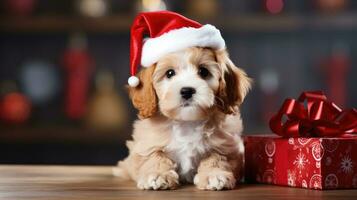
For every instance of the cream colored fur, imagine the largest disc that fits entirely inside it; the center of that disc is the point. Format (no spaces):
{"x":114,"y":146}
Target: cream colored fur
{"x":178,"y":141}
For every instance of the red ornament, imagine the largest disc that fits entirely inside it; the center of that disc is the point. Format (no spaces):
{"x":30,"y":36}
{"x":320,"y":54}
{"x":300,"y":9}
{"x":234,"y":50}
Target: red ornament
{"x":15,"y":108}
{"x":274,"y":6}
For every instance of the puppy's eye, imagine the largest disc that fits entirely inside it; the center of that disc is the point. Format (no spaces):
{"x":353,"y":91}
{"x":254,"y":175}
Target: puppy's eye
{"x":170,"y":73}
{"x":203,"y":71}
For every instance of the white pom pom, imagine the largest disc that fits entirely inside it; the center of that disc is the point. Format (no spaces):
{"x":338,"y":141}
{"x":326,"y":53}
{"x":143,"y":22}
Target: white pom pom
{"x":133,"y":81}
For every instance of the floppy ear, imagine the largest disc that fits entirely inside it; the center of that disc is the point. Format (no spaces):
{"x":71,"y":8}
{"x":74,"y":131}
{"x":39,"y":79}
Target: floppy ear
{"x":233,"y":86}
{"x":144,"y":96}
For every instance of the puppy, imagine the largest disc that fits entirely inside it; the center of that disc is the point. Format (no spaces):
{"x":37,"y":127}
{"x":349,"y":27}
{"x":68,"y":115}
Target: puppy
{"x":189,"y":125}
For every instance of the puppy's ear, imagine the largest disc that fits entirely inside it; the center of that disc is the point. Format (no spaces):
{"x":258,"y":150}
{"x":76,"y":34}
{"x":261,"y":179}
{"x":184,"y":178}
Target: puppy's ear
{"x":144,"y":96}
{"x":233,"y":86}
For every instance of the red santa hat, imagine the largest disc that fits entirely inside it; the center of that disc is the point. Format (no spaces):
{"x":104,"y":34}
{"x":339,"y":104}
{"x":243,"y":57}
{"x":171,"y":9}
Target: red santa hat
{"x":167,"y":32}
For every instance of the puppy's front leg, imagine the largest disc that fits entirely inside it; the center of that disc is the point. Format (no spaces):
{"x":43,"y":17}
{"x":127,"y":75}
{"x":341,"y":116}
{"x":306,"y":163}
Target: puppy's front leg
{"x":158,"y":173}
{"x":214,"y":173}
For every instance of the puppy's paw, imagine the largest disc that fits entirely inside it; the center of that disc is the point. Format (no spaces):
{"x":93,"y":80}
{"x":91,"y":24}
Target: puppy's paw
{"x":215,"y":180}
{"x":158,"y":181}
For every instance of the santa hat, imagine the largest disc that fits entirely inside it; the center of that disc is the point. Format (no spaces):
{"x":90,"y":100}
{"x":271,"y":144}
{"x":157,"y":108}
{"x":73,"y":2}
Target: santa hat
{"x":167,"y":32}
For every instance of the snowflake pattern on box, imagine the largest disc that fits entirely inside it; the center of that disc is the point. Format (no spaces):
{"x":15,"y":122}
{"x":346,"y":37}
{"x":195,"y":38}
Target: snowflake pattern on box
{"x":346,"y":164}
{"x":301,"y":161}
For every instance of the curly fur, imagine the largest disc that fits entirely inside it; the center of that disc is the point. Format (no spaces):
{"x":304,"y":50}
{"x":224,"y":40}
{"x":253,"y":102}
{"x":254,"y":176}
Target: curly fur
{"x":177,"y":141}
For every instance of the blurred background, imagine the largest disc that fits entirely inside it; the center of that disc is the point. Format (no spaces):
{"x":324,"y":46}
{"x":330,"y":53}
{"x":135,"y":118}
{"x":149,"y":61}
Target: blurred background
{"x":64,"y":64}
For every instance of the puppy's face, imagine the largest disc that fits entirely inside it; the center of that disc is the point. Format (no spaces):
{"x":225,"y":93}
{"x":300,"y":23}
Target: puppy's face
{"x":189,"y":84}
{"x":186,"y":83}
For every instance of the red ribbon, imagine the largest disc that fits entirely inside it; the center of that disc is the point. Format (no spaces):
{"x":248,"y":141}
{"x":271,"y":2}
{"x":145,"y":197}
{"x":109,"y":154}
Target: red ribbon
{"x":313,"y":116}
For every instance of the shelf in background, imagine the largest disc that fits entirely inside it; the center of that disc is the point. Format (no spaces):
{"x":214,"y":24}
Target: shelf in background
{"x":66,"y":24}
{"x":61,"y":135}
{"x":236,"y":23}
{"x":286,"y":23}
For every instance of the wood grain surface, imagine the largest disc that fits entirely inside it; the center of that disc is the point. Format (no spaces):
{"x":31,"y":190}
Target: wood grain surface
{"x":92,"y":182}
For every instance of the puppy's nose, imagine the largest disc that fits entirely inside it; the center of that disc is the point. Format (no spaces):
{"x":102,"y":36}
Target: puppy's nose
{"x":187,"y":92}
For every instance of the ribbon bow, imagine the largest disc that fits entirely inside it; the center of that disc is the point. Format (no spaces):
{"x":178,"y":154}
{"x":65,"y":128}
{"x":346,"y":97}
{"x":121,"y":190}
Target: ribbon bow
{"x":319,"y":118}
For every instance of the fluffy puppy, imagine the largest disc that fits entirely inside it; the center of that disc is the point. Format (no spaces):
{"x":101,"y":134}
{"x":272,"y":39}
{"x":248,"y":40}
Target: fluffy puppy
{"x":189,"y":124}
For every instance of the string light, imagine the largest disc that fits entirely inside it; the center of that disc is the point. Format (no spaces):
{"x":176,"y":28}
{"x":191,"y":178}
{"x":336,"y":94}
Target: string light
{"x":153,"y":5}
{"x":93,"y":8}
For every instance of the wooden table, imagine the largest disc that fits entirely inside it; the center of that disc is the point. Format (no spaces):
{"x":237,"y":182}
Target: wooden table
{"x":79,"y":182}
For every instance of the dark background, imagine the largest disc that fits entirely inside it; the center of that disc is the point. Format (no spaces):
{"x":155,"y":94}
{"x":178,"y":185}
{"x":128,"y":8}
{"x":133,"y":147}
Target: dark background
{"x":285,"y":46}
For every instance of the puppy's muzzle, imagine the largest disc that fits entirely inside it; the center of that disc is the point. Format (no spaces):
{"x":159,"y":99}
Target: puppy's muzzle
{"x":187,"y":92}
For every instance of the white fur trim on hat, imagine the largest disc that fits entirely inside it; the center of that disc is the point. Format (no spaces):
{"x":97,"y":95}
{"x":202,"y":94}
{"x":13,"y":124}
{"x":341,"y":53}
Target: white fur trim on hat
{"x":133,"y":81}
{"x":179,"y":39}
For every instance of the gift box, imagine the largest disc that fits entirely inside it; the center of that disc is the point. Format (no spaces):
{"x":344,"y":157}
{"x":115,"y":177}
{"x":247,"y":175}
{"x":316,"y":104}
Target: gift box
{"x":316,"y":163}
{"x":314,"y":147}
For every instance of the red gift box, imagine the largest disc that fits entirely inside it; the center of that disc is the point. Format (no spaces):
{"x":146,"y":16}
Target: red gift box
{"x":316,"y":163}
{"x":315,"y":150}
